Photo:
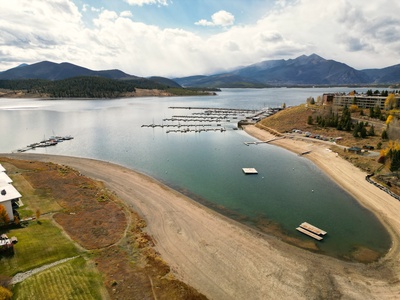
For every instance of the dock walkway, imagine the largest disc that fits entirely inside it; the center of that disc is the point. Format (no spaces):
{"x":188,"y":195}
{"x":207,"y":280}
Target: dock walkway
{"x":263,"y":142}
{"x":317,"y":237}
{"x":312,"y":228}
{"x":311,"y":231}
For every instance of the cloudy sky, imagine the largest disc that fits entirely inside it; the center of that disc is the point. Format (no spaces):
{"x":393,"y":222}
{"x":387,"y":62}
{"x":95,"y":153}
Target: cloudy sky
{"x":189,"y":37}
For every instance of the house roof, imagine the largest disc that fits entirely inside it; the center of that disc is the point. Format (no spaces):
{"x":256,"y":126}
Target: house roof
{"x":2,"y":168}
{"x":4,"y":178}
{"x":9,"y":194}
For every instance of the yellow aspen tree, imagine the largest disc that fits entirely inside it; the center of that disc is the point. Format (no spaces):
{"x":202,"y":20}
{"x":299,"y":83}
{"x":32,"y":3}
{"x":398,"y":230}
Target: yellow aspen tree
{"x":38,"y":214}
{"x":389,"y":119}
{"x":390,"y":102}
{"x":4,"y":218}
{"x":5,"y":293}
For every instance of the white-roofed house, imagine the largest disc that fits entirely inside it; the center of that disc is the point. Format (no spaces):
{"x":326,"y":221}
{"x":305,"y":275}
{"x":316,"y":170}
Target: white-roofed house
{"x":8,"y":195}
{"x":4,"y":178}
{"x":2,"y":168}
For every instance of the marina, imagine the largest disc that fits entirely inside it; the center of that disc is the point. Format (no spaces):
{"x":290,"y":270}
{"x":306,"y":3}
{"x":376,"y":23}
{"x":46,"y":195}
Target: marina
{"x":211,"y":118}
{"x":185,"y":130}
{"x":177,"y":125}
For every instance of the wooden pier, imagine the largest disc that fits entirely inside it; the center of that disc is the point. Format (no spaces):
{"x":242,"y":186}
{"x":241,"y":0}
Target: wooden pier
{"x":216,"y":109}
{"x":185,"y":130}
{"x":312,"y":228}
{"x":317,"y":237}
{"x":311,"y":231}
{"x":263,"y":142}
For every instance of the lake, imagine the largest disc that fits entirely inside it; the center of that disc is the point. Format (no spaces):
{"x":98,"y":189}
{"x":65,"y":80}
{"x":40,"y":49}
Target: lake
{"x":207,"y":166}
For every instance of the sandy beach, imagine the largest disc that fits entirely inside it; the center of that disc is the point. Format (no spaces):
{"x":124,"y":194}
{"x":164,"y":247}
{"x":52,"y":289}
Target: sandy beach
{"x":226,"y":260}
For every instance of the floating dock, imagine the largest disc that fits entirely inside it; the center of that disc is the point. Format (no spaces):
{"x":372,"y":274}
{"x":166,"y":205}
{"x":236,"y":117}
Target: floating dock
{"x":312,"y":228}
{"x":311,"y":231}
{"x":52,"y":141}
{"x":317,"y":237}
{"x":249,"y":171}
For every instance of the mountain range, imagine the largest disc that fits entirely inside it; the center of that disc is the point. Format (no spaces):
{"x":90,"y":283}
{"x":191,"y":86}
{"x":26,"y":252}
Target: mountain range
{"x":52,"y":71}
{"x":301,"y":71}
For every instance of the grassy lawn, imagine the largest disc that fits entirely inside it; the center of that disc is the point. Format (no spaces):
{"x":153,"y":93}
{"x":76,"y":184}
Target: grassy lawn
{"x":38,"y":244}
{"x":75,"y":279}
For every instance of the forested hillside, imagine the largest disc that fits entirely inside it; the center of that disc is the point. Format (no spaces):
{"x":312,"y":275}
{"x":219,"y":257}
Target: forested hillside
{"x":80,"y":87}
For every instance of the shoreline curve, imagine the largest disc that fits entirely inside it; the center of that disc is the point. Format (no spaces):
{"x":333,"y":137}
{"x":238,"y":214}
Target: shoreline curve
{"x":226,"y":260}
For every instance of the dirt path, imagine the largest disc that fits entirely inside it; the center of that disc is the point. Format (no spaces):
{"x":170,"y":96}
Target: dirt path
{"x":19,"y":277}
{"x":226,"y":260}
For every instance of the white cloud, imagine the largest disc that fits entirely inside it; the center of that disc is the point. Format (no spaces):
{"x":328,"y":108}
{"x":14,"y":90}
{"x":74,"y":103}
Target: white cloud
{"x":126,"y":14}
{"x":220,"y":18}
{"x":358,"y":33}
{"x":146,"y":2}
{"x":105,"y":17}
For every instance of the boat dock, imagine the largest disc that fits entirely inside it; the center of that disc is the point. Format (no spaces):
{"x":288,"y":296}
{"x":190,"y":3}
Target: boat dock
{"x":177,"y":125}
{"x":311,"y":231}
{"x":249,"y":171}
{"x":317,"y":237}
{"x":216,"y":109}
{"x":312,"y":228}
{"x":185,"y":130}
{"x":263,"y":142}
{"x":52,"y":141}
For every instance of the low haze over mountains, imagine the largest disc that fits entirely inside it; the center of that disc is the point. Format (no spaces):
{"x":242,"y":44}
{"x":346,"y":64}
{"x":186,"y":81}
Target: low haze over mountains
{"x":303,"y":70}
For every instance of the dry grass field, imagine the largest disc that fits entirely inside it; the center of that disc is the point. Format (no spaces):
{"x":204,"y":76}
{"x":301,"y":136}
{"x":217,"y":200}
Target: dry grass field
{"x":110,"y":235}
{"x":296,"y":118}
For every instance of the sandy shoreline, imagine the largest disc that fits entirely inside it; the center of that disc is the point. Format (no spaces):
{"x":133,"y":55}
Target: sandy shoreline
{"x":225,"y":260}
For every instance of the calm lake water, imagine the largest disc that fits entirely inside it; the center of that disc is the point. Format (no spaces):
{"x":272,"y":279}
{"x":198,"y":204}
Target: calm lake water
{"x":207,"y":166}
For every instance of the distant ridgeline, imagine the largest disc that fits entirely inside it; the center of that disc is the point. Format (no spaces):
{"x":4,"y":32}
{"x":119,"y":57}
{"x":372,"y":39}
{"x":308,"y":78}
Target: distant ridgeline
{"x":88,"y":87}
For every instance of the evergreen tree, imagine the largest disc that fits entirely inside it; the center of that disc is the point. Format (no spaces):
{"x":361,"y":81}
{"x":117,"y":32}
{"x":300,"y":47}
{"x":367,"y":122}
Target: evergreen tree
{"x":363,"y":132}
{"x":356,"y":130}
{"x":345,"y":119}
{"x":371,"y":112}
{"x":371,"y":131}
{"x":395,"y":164}
{"x":384,"y":135}
{"x":377,"y":112}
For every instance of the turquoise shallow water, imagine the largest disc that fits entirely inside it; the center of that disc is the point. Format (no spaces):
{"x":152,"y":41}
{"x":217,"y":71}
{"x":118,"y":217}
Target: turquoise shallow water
{"x":207,"y":166}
